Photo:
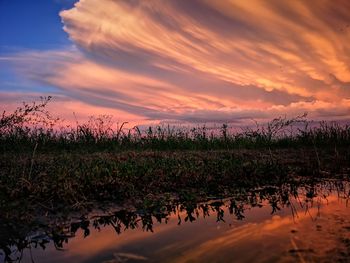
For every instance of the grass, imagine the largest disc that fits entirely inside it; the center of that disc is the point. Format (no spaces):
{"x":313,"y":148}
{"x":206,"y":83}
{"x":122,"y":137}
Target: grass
{"x":45,"y":165}
{"x":77,"y":181}
{"x":31,"y":126}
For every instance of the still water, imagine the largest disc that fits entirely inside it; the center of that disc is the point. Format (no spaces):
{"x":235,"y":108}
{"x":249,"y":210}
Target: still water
{"x":309,"y":223}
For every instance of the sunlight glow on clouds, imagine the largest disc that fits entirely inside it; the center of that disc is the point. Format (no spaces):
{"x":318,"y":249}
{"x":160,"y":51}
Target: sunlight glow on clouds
{"x":202,"y":61}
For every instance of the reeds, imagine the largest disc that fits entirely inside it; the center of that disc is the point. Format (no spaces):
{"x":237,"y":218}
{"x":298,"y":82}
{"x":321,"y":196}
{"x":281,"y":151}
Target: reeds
{"x":32,"y":124}
{"x":73,"y":167}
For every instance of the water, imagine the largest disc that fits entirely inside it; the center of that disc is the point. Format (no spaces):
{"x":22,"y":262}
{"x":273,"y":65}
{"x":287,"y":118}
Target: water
{"x":308,"y":223}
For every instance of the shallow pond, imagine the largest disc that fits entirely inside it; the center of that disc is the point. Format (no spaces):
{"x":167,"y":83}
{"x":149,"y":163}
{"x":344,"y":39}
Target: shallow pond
{"x":310,"y":223}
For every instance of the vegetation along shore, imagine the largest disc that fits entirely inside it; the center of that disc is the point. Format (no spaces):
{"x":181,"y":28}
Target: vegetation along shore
{"x":46,"y":168}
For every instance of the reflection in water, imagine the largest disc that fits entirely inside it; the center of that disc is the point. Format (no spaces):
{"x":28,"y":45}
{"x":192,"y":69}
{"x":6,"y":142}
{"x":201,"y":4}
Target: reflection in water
{"x":307,"y":223}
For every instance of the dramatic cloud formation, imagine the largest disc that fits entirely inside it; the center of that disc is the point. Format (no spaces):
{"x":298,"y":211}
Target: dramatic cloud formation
{"x":202,"y":61}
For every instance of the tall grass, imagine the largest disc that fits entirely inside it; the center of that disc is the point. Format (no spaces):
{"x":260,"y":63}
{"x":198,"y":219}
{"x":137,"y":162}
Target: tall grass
{"x":31,"y":125}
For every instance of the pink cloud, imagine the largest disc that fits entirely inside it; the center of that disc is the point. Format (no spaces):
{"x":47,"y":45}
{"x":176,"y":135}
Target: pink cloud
{"x":200,"y":61}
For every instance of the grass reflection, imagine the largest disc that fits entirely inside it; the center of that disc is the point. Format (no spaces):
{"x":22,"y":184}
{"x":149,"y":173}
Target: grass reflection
{"x":20,"y":234}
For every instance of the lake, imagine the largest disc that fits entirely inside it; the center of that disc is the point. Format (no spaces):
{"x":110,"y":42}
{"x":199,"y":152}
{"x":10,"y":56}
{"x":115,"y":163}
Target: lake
{"x":286,"y":223}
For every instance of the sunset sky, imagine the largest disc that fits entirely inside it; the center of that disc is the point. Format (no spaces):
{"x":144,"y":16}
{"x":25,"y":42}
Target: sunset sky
{"x":183,"y":61}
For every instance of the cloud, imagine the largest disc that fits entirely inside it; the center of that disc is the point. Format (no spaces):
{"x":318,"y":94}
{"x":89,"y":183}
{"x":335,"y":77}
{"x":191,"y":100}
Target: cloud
{"x":202,"y":61}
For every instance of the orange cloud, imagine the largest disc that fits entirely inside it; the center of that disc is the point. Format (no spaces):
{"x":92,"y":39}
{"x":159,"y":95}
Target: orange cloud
{"x":202,"y":61}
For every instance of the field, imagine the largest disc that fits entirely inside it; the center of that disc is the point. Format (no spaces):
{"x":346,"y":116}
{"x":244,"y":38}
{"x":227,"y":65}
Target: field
{"x":49,"y":173}
{"x":75,"y":167}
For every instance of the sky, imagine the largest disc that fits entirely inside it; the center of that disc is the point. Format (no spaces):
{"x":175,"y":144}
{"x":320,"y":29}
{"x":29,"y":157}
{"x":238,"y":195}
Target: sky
{"x":198,"y":61}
